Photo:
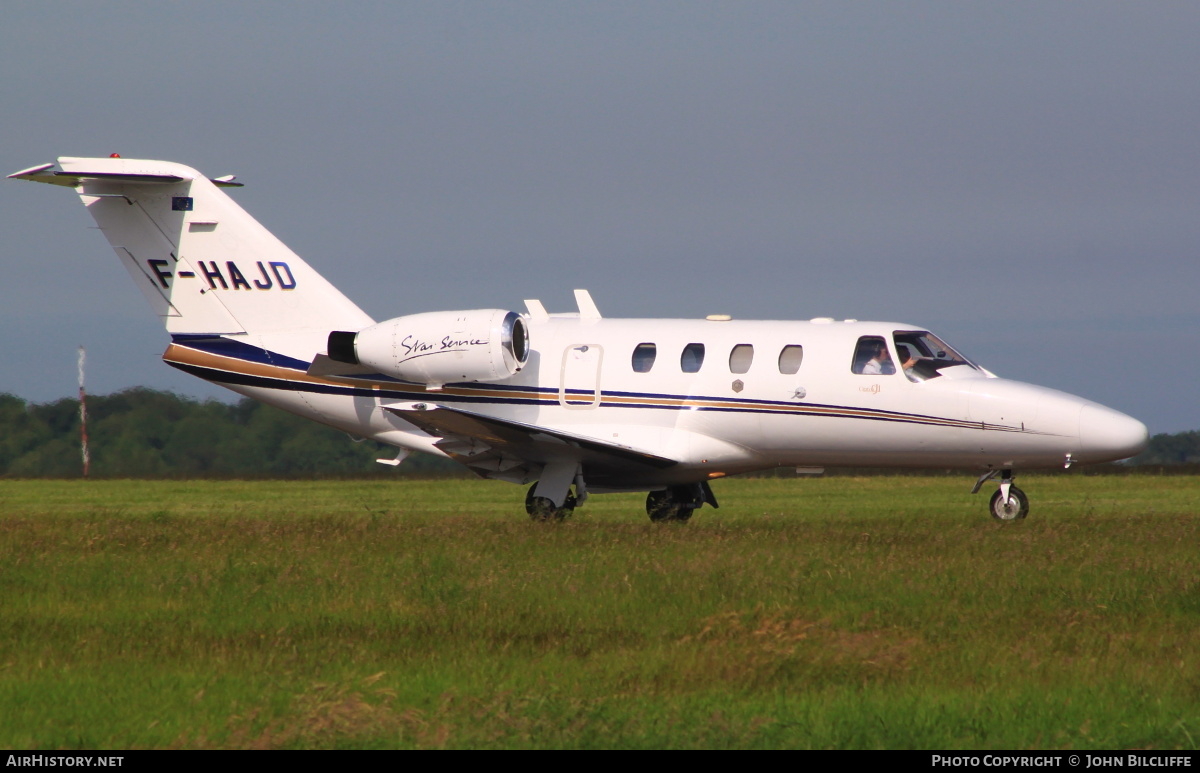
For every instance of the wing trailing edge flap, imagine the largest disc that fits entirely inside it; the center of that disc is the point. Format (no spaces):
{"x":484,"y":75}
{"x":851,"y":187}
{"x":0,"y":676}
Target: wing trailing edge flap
{"x":510,"y":450}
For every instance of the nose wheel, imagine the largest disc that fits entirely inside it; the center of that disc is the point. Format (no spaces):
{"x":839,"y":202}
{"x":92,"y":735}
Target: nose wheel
{"x":1009,"y":503}
{"x":1013,"y":508}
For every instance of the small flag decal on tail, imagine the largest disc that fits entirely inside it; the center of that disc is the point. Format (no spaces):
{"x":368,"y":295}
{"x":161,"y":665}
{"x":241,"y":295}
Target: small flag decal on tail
{"x":181,"y":203}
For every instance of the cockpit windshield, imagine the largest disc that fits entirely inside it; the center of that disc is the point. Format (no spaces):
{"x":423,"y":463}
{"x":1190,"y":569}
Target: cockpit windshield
{"x":923,"y":355}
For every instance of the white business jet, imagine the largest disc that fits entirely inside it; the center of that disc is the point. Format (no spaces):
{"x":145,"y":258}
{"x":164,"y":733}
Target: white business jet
{"x":573,"y":403}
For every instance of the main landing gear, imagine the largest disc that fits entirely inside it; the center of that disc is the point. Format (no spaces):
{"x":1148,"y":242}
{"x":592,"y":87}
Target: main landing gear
{"x":677,"y":503}
{"x":544,"y":509}
{"x":1009,"y":503}
{"x":673,"y":503}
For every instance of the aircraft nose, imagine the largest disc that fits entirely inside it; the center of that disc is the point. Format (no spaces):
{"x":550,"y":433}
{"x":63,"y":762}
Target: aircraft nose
{"x":1107,"y":435}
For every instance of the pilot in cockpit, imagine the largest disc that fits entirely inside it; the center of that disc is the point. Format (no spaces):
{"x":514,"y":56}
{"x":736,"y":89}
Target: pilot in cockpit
{"x":908,"y":362}
{"x":880,"y":363}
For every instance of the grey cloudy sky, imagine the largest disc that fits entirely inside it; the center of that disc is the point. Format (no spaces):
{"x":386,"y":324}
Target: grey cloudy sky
{"x":1020,"y":178}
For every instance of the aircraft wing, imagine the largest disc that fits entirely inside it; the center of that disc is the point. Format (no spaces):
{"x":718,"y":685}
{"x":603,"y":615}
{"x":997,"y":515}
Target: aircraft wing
{"x":510,"y":450}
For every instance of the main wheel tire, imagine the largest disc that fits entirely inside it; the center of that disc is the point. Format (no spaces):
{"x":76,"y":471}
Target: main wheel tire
{"x":543,"y":509}
{"x":1016,"y":508}
{"x":662,"y":506}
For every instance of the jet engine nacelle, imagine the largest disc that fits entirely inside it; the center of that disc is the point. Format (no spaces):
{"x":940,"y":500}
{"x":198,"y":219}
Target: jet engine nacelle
{"x":439,"y":347}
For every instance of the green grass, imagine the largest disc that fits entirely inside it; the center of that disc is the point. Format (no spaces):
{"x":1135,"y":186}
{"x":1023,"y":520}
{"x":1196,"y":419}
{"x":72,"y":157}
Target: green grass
{"x":819,"y":613}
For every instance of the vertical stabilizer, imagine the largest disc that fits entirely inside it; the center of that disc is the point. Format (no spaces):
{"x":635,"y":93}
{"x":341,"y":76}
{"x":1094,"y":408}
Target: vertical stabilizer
{"x":203,"y":263}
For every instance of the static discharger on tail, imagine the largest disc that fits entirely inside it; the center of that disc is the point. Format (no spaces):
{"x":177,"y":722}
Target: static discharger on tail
{"x":573,"y":403}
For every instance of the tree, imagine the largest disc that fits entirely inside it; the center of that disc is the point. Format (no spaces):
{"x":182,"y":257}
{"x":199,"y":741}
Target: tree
{"x":146,"y":433}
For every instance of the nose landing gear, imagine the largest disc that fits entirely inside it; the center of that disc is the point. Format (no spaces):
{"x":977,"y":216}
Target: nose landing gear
{"x":1014,"y":507}
{"x":1009,"y":503}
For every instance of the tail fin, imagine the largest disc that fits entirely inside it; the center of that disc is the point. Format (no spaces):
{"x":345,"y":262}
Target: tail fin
{"x":204,"y":264}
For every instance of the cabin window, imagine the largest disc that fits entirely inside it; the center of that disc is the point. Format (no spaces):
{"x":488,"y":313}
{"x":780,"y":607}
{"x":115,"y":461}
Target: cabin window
{"x":692,"y":358}
{"x":740,"y":358}
{"x":872,"y":358}
{"x":790,"y":358}
{"x":643,"y":357}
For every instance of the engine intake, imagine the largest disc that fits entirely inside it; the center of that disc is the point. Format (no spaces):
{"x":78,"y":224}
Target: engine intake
{"x":439,"y":347}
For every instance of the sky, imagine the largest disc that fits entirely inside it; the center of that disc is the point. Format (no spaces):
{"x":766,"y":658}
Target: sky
{"x":1022,"y":178}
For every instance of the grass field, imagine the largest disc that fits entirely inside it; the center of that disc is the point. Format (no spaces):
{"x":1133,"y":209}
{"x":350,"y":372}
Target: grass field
{"x":808,"y":613}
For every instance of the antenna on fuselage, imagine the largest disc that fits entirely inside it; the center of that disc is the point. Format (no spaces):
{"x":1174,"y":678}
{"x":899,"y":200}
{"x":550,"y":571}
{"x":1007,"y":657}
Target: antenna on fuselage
{"x":83,"y":437}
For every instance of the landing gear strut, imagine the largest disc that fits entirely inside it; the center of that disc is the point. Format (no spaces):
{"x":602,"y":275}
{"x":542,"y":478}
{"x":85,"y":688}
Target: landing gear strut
{"x":544,"y":509}
{"x":677,"y":503}
{"x":1009,"y":503}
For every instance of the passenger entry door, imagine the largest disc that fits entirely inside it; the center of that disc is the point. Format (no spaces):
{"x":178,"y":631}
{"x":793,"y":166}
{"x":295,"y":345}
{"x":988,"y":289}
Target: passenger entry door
{"x":579,"y":378}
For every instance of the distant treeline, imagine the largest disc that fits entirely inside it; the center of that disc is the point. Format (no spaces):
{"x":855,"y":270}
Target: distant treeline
{"x":1180,"y":448}
{"x":145,"y":433}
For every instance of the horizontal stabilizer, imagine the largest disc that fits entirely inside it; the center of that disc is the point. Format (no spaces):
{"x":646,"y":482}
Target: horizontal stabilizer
{"x":44,"y":174}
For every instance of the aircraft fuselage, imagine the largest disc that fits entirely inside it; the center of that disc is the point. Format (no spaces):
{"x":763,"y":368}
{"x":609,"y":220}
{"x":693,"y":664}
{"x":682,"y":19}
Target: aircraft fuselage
{"x":736,"y":411}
